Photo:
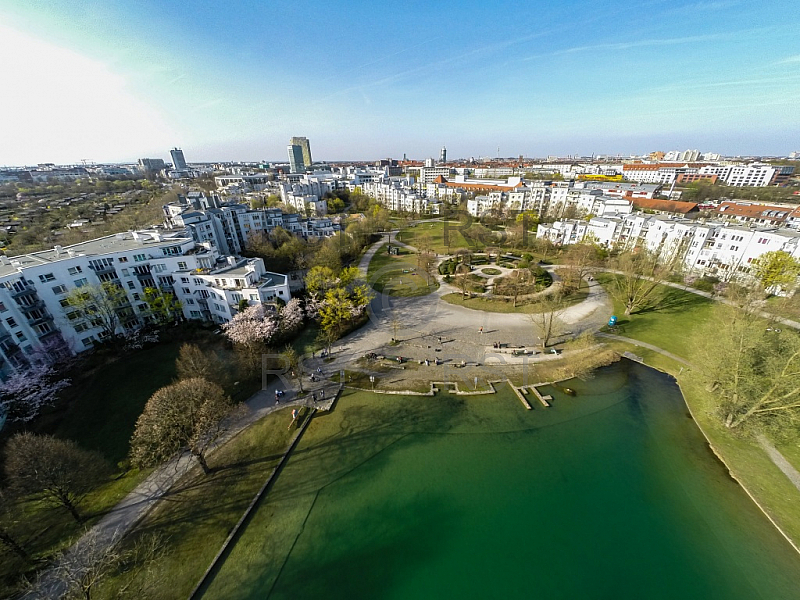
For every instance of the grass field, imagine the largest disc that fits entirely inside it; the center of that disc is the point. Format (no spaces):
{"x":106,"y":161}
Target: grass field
{"x":397,"y":275}
{"x":199,"y":513}
{"x":436,"y":233}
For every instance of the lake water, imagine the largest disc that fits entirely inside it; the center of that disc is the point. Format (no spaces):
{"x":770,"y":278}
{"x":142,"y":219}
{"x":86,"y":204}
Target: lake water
{"x":611,"y":494}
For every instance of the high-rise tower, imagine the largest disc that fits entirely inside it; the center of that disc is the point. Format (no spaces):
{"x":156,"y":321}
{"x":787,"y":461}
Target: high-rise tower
{"x":178,"y":162}
{"x":303,"y":143}
{"x":443,"y":155}
{"x":296,"y":163}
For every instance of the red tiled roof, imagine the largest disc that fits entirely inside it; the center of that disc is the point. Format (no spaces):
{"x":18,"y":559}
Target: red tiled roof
{"x":672,"y":206}
{"x":754,"y":211}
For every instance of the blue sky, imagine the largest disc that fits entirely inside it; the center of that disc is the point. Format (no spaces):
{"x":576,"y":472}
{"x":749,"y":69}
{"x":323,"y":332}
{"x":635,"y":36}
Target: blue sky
{"x":118,"y":80}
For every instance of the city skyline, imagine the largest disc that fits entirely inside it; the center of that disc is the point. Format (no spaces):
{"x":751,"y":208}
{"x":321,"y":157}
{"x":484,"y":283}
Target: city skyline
{"x":121,"y":81}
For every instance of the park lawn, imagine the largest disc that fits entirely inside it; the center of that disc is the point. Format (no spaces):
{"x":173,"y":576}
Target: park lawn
{"x":670,"y":324}
{"x":103,"y":414}
{"x":499,"y":305}
{"x":397,"y":275}
{"x":435,"y":230}
{"x":44,"y":529}
{"x":199,"y":513}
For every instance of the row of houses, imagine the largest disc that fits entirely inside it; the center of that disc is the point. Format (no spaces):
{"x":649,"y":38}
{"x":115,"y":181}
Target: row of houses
{"x":724,"y":250}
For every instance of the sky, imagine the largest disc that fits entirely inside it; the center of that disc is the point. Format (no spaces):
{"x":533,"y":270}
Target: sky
{"x":117,"y":80}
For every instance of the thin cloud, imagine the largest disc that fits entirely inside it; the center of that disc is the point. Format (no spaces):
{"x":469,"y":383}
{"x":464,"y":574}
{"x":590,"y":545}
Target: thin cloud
{"x":691,"y":39}
{"x":789,"y":60}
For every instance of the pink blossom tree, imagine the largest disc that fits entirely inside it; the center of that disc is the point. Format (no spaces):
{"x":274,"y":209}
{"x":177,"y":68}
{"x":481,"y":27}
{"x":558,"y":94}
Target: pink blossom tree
{"x":291,"y":316}
{"x":29,"y":390}
{"x":250,"y":331}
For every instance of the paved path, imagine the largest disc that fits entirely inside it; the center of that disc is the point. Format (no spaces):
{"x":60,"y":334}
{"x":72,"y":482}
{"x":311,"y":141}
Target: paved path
{"x":611,"y":336}
{"x":780,"y":460}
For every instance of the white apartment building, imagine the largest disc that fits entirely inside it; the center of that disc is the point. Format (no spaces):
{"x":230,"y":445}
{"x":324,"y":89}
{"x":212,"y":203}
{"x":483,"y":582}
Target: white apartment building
{"x":34,"y":287}
{"x":755,"y":175}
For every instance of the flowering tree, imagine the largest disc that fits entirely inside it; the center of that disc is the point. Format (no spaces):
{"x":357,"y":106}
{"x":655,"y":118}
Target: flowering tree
{"x":28,"y":391}
{"x":252,"y":327}
{"x":291,"y":316}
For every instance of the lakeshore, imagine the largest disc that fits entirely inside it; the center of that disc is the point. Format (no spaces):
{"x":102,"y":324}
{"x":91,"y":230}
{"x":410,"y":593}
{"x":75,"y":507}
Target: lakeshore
{"x":413,"y":496}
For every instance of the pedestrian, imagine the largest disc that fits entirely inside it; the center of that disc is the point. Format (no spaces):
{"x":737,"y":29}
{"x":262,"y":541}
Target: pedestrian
{"x":276,"y":397}
{"x":427,"y":363}
{"x":322,"y":394}
{"x":480,"y":330}
{"x":314,"y":397}
{"x":440,"y":340}
{"x":313,"y":354}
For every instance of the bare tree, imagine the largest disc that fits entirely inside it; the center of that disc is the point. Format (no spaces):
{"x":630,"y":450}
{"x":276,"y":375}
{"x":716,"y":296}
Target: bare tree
{"x":293,"y":363}
{"x":425,"y":263}
{"x":59,"y":470}
{"x":638,"y":279}
{"x":752,"y":371}
{"x":100,"y":304}
{"x":580,"y":260}
{"x":187,"y":415}
{"x":97,"y":557}
{"x":546,"y":320}
{"x":194,"y":362}
{"x":462,"y":279}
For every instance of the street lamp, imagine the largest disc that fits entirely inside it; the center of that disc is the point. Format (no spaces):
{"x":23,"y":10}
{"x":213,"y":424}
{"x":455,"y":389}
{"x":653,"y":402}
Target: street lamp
{"x":372,"y":381}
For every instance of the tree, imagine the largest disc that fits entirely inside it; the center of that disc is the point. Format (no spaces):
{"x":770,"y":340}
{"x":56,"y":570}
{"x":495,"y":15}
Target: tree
{"x":100,"y":304}
{"x":59,"y":470}
{"x":27,"y":391}
{"x":776,"y":270}
{"x":546,"y":320}
{"x":462,"y":279}
{"x":187,"y":415}
{"x":97,"y":557}
{"x":163,"y":307}
{"x":291,"y":316}
{"x":321,"y":279}
{"x":580,"y":260}
{"x":425,"y":263}
{"x":293,"y":363}
{"x":251,"y":330}
{"x":638,"y":279}
{"x":193,"y":362}
{"x":753,"y":371}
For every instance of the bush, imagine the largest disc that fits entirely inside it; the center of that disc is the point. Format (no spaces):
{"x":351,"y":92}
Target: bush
{"x":706,"y":284}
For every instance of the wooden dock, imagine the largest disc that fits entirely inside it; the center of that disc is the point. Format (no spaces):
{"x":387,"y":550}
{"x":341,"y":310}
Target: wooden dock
{"x":545,"y":400}
{"x":519,"y":392}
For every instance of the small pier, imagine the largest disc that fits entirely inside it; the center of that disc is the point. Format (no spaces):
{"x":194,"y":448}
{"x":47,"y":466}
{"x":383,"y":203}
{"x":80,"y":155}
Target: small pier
{"x":544,"y":399}
{"x":519,"y":391}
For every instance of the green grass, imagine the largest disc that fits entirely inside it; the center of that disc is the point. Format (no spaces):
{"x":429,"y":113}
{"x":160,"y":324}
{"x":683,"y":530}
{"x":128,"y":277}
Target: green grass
{"x":397,"y":275}
{"x":669,"y":324}
{"x":435,"y":230}
{"x":199,"y":513}
{"x":491,"y":271}
{"x":104,"y":411}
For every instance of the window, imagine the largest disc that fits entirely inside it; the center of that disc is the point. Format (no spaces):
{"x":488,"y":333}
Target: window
{"x":75,"y":314}
{"x":139,"y":257}
{"x":189,"y":301}
{"x":81,"y":282}
{"x":184,"y":280}
{"x":64,"y":303}
{"x":142,"y":307}
{"x":78,"y":327}
{"x":3,"y":307}
{"x":131,"y":285}
{"x":186,"y":290}
{"x":60,"y":289}
{"x":182,"y":265}
{"x":125,"y":272}
{"x":21,"y":337}
{"x":195,"y":314}
{"x":88,"y":342}
{"x":136,"y":297}
{"x":11,"y":322}
{"x":48,"y":277}
{"x":123,"y":259}
{"x":74,"y":270}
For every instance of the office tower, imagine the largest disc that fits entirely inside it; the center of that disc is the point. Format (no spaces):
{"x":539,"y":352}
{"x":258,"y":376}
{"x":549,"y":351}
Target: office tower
{"x":178,"y":162}
{"x":296,"y":164}
{"x":443,"y":155}
{"x":303,"y":143}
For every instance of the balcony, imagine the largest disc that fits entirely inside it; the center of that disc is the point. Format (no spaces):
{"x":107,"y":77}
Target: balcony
{"x":102,"y":269}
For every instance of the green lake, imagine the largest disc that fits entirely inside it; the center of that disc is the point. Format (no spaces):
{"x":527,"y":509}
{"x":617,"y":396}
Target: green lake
{"x":611,"y":494}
